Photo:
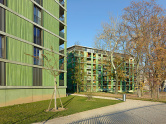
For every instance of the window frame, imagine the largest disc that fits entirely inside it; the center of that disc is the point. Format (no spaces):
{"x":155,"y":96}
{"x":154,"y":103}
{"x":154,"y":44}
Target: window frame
{"x":37,"y":76}
{"x":4,"y":2}
{"x":39,"y":60}
{"x":41,"y":35}
{"x":2,"y":20}
{"x":36,"y":9}
{"x":2,"y":73}
{"x":3,"y":47}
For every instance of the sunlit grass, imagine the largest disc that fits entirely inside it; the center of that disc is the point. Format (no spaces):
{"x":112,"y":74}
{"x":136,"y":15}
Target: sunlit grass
{"x":35,"y":112}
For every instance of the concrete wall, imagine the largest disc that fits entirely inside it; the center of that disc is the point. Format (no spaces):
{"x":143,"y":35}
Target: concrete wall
{"x":11,"y":96}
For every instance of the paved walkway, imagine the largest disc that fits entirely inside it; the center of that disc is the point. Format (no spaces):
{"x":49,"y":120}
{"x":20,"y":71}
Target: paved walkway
{"x":131,"y":111}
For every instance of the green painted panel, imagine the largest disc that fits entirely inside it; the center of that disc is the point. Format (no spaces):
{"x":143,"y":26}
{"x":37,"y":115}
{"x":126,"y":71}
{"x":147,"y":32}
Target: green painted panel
{"x":51,"y":23}
{"x":17,"y":50}
{"x":13,"y":94}
{"x":51,"y":41}
{"x":62,"y":92}
{"x":19,"y":27}
{"x":9,"y":95}
{"x":18,"y":75}
{"x":48,"y":79}
{"x":52,"y":7}
{"x":2,"y":96}
{"x":23,"y":7}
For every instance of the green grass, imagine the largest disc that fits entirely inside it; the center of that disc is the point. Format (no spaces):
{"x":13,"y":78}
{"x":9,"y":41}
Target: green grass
{"x":146,"y":99}
{"x":34,"y":112}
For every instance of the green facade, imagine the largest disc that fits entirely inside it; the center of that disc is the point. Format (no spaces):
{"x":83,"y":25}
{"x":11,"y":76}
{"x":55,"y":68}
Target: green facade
{"x":96,"y":78}
{"x":19,"y":41}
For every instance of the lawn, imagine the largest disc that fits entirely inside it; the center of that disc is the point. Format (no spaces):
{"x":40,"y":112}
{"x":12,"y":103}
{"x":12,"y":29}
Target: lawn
{"x":35,"y":112}
{"x":145,"y":97}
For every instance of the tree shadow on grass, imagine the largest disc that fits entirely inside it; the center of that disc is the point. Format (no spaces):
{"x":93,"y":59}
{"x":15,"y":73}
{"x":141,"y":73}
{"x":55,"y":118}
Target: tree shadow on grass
{"x":65,"y":104}
{"x":68,"y":102}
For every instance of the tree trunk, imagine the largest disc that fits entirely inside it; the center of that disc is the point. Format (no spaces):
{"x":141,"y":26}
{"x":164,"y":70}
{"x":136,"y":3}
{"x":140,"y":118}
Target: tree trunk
{"x":138,"y":81}
{"x":55,"y":94}
{"x":142,"y":92}
{"x":77,"y":87}
{"x":116,"y":85}
{"x":151,"y":92}
{"x":158,"y":92}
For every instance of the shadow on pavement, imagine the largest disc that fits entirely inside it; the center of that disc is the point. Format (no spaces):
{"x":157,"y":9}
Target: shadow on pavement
{"x":124,"y":117}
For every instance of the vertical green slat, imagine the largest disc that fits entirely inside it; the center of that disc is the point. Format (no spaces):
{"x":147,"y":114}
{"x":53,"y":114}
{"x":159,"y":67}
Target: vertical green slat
{"x":91,"y":71}
{"x":102,"y":72}
{"x":18,"y":75}
{"x":133,"y":75}
{"x":85,"y":66}
{"x":97,"y":72}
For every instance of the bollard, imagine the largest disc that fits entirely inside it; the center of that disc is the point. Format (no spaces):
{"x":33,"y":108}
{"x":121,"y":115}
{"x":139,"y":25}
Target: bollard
{"x":124,"y":97}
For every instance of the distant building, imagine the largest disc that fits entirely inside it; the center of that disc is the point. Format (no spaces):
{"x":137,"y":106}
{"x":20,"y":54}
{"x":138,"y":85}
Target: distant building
{"x":94,"y":63}
{"x":30,"y":27}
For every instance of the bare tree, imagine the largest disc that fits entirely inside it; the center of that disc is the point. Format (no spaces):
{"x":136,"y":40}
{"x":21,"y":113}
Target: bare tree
{"x":51,"y":63}
{"x":138,"y":24}
{"x":110,"y":39}
{"x":78,"y":73}
{"x":156,"y":59}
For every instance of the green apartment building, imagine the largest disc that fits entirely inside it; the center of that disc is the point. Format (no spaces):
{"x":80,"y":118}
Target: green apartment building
{"x":94,"y":62}
{"x":31,"y":27}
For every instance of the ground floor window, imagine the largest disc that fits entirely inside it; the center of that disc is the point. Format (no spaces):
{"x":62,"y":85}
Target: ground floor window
{"x":61,"y":79}
{"x":37,"y":76}
{"x":37,"y":56}
{"x":2,"y":46}
{"x":2,"y":74}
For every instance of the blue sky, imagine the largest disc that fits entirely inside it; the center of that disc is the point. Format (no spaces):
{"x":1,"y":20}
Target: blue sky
{"x":84,"y":18}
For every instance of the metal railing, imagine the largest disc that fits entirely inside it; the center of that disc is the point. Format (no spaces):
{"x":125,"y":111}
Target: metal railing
{"x":62,"y":19}
{"x":61,"y":34}
{"x":62,"y":2}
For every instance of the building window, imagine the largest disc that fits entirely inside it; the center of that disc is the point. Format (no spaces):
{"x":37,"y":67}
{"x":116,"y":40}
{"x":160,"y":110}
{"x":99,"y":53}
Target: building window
{"x":2,"y":19}
{"x":37,"y":15}
{"x":37,"y":77}
{"x":38,"y":56}
{"x":39,"y":2}
{"x":2,"y":1}
{"x":37,"y":36}
{"x":37,"y":50}
{"x":61,"y":79}
{"x":2,"y":74}
{"x":2,"y":47}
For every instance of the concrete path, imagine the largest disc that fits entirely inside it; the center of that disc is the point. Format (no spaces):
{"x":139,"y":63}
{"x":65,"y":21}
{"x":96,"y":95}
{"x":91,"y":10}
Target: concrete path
{"x":101,"y":97}
{"x":131,"y":111}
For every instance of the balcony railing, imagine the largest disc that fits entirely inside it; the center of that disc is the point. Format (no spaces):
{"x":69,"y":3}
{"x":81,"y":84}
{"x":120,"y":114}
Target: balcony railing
{"x":61,"y":34}
{"x":62,"y":19}
{"x":62,"y":2}
{"x":61,"y":48}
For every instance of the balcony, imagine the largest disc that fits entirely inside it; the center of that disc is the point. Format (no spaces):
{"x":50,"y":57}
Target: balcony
{"x":61,"y":34}
{"x":62,"y":2}
{"x":62,"y":19}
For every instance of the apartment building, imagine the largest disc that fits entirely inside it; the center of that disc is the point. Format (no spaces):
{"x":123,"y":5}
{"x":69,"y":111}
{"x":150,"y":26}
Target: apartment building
{"x":31,"y":27}
{"x":94,"y":62}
